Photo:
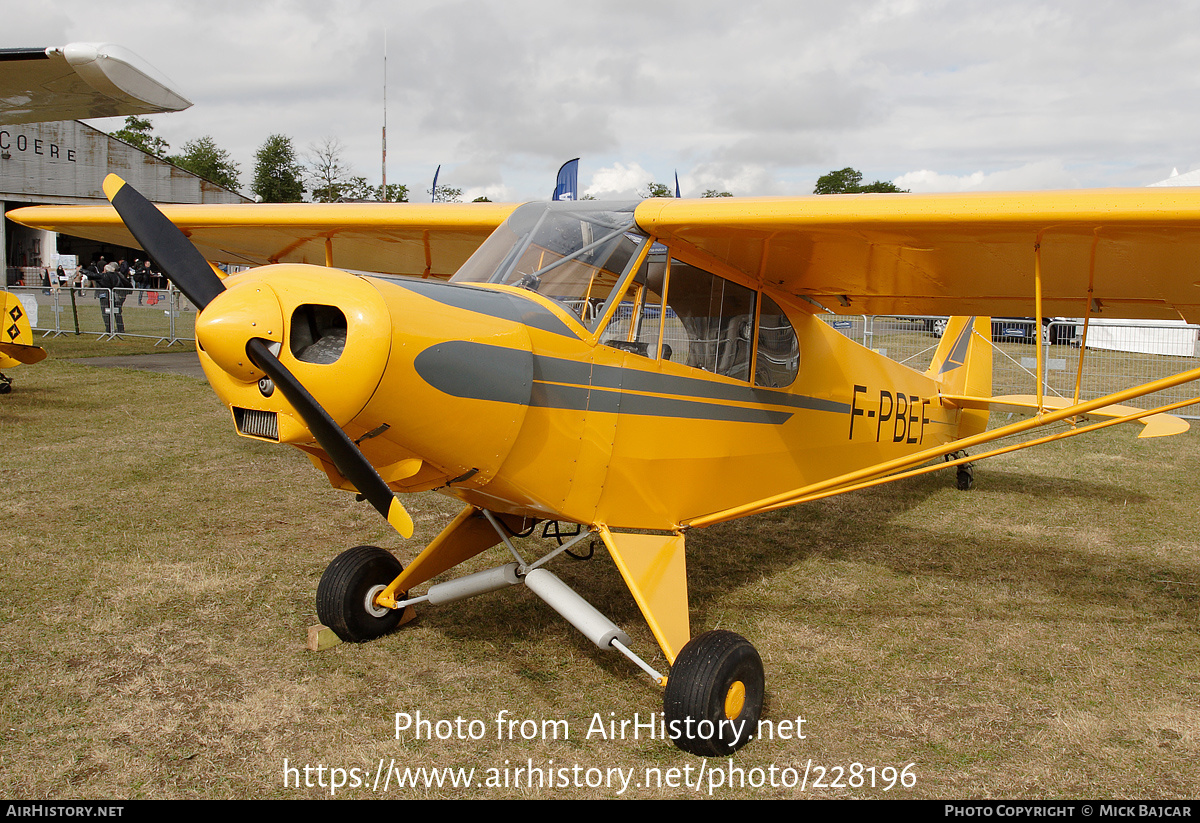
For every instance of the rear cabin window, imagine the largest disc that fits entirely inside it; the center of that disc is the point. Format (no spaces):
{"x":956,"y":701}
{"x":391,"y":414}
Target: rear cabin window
{"x":778,"y":359}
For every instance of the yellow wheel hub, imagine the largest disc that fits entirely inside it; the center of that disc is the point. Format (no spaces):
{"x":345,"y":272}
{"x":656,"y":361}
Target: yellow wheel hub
{"x":735,"y":699}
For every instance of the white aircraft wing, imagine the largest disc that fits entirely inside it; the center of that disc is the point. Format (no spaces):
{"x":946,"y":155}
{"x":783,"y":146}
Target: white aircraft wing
{"x":79,"y":81}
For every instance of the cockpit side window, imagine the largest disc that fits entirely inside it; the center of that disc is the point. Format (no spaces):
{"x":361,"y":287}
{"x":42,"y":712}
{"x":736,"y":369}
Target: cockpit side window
{"x":717,"y":320}
{"x":675,"y":311}
{"x":636,"y":324}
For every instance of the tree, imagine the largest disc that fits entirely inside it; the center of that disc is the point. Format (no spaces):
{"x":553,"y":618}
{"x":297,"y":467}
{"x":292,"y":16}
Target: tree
{"x":139,"y":133}
{"x":446,"y":194}
{"x":277,"y":174}
{"x":204,"y":158}
{"x":849,"y":181}
{"x":657,"y":190}
{"x":358,"y":190}
{"x":396,"y":193}
{"x":482,"y":200}
{"x":715,"y":193}
{"x":328,"y":175}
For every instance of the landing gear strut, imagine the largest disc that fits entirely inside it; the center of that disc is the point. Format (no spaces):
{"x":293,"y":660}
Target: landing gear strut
{"x":713,"y":697}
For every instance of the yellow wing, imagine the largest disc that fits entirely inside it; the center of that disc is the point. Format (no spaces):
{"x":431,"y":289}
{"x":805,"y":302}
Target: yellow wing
{"x":78,"y":81}
{"x":1138,"y":250}
{"x":391,"y":238}
{"x":946,"y":254}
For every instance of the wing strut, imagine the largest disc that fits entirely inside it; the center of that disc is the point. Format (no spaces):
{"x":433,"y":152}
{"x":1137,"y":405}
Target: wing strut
{"x":865,"y":477}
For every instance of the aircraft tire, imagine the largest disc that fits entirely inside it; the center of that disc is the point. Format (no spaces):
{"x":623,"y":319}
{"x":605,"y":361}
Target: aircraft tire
{"x":714,"y":694}
{"x":965,"y":478}
{"x":347,"y":588}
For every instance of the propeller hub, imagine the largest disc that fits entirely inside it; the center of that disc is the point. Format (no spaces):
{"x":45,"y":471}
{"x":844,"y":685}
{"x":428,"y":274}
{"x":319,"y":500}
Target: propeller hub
{"x":243,"y":312}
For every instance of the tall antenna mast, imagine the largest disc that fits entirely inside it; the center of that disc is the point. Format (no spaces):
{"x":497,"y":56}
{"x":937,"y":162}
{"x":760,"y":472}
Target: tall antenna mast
{"x":384,"y":189}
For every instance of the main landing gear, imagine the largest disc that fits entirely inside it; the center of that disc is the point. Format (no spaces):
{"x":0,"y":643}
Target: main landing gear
{"x":5,"y":384}
{"x":347,"y":591}
{"x":713,"y":698}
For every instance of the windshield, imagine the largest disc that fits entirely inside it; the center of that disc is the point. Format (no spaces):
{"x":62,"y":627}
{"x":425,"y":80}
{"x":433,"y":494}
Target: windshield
{"x":575,"y":253}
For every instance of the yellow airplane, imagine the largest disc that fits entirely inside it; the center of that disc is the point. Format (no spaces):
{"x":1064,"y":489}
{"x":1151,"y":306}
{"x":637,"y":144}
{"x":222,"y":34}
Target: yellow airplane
{"x":16,"y":338}
{"x":638,"y":369}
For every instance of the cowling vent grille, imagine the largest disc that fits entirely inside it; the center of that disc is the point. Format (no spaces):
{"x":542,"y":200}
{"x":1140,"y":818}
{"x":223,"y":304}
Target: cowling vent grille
{"x":254,"y":423}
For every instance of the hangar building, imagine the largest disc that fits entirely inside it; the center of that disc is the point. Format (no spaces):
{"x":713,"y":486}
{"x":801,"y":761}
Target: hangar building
{"x":66,"y":162}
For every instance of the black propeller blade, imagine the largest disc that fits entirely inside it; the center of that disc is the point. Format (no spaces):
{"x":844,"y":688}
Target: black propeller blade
{"x":182,"y":263}
{"x":346,"y":456}
{"x":190,"y":272}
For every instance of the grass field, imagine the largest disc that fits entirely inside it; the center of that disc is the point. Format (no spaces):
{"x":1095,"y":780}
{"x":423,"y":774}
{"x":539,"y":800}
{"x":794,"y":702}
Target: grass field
{"x":1037,"y":637}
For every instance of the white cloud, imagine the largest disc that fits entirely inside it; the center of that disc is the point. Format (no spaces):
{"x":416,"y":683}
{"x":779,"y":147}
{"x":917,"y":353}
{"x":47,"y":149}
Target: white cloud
{"x":997,"y":95}
{"x":1048,"y":174}
{"x":619,"y":182}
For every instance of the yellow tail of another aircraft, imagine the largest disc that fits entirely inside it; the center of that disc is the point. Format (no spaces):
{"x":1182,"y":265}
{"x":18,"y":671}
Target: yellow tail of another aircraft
{"x":16,"y":338}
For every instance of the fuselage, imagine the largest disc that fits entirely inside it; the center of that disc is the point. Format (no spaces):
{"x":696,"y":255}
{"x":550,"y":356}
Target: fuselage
{"x":510,"y":402}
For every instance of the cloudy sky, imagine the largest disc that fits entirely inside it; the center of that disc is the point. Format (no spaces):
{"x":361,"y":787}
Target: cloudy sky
{"x":757,"y":98}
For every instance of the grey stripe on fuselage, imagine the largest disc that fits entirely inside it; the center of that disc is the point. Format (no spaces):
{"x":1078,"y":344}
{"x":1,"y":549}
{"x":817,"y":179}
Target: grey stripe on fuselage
{"x":483,"y":372}
{"x":488,"y":302}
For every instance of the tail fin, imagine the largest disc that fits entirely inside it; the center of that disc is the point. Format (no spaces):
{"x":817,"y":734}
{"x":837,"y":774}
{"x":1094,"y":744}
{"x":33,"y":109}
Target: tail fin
{"x":16,"y":335}
{"x":963,"y":365}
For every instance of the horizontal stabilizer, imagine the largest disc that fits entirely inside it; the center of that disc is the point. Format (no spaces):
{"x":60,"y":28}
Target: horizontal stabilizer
{"x":1156,"y":425}
{"x":23,"y":354}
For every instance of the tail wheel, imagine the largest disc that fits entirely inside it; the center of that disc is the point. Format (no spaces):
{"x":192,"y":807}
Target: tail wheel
{"x":714,"y":694}
{"x":347,"y":591}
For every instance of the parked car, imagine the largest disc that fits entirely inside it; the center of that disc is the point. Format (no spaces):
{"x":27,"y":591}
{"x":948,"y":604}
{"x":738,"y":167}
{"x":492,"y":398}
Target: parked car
{"x":1055,"y":330}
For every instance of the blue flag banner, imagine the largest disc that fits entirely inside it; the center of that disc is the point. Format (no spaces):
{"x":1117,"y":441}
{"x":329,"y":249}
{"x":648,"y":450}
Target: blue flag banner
{"x":567,"y":187}
{"x":433,"y":194}
{"x":676,"y":184}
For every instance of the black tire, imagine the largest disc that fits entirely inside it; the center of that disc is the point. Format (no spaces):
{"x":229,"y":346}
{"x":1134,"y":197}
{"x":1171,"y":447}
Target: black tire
{"x":347,"y":588}
{"x":705,"y":713}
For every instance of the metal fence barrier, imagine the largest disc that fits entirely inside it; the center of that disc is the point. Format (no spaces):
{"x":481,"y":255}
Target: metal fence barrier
{"x":1120,"y":354}
{"x":163,"y":315}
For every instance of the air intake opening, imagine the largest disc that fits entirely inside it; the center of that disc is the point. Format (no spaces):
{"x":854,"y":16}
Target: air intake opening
{"x":318,"y":333}
{"x":255,"y":423}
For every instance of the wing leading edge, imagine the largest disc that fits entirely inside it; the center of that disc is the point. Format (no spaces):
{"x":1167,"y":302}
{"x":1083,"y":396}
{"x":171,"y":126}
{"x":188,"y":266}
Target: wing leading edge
{"x":390,"y":238}
{"x":1136,"y":252}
